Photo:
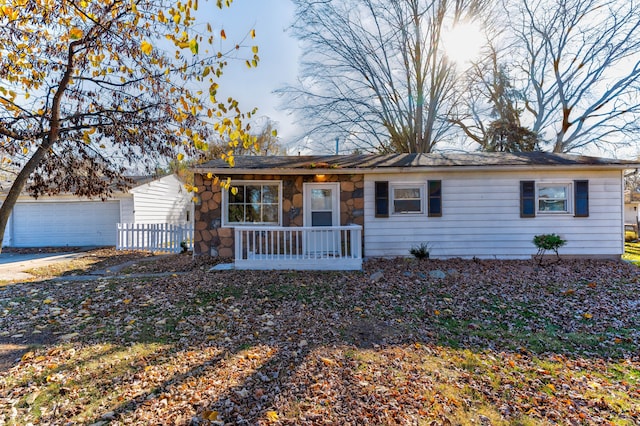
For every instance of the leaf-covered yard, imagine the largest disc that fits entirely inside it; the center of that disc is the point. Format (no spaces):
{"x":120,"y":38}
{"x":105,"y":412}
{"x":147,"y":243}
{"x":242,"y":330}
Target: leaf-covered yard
{"x":403,"y":342}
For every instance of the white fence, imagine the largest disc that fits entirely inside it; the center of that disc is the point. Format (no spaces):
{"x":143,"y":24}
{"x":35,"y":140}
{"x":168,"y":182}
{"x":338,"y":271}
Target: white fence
{"x":302,"y":248}
{"x":155,"y":237}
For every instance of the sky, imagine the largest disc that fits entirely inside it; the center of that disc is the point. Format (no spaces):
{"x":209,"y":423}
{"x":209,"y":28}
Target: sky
{"x":279,"y":54}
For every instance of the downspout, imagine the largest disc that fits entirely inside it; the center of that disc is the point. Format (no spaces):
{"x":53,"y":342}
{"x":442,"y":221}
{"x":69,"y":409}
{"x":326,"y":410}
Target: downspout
{"x":623,"y":233}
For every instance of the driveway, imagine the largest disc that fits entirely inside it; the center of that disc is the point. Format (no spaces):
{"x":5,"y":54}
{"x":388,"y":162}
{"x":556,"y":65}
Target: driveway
{"x":13,"y":265}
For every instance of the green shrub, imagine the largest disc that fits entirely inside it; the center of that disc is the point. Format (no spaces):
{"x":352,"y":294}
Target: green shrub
{"x":546,"y":242}
{"x":420,"y":252}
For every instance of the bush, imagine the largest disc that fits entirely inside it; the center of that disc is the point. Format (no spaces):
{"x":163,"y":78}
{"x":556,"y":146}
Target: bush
{"x":546,"y":242}
{"x":420,"y":252}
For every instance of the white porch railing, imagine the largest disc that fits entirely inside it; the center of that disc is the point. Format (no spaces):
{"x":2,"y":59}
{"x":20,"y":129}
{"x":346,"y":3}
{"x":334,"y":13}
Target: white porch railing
{"x":155,"y":237}
{"x":301,"y":248}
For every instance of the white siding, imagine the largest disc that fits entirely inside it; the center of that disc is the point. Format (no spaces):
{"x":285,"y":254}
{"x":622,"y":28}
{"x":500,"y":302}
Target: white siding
{"x":7,"y":240}
{"x":481,"y":217}
{"x":631,"y":213}
{"x":126,"y":209}
{"x":164,"y":200}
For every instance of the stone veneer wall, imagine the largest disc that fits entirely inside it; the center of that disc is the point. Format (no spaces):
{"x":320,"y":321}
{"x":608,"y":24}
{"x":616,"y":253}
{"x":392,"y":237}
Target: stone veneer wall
{"x":211,"y":238}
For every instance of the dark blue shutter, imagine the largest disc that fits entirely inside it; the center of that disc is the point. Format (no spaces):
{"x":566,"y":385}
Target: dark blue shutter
{"x":435,"y":198}
{"x":581,"y":198}
{"x":382,"y":199}
{"x":527,"y":198}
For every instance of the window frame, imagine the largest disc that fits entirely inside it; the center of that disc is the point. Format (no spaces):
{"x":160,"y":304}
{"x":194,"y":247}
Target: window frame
{"x":225,"y":203}
{"x":406,"y":185}
{"x":568,"y":197}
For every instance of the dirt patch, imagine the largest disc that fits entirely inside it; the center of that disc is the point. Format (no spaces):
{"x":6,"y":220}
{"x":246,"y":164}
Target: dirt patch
{"x":370,"y":333}
{"x":10,"y":355}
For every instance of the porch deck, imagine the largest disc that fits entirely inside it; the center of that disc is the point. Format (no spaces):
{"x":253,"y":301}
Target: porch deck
{"x":299,"y":248}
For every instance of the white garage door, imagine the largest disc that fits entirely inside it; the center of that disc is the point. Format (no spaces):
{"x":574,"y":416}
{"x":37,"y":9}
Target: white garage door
{"x":65,"y":224}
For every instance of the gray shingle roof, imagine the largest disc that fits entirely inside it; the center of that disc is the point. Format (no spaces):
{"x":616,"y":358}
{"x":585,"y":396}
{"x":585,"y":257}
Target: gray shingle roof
{"x":402,"y":161}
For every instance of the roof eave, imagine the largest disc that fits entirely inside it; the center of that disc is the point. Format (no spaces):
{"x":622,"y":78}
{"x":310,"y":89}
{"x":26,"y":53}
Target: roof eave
{"x":418,"y":169}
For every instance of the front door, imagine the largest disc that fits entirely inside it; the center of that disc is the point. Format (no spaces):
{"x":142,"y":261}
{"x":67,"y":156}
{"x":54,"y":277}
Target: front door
{"x":322,"y":210}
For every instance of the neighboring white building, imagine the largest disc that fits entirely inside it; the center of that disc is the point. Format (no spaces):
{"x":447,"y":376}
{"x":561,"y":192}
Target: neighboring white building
{"x":67,"y":220}
{"x":485,"y":205}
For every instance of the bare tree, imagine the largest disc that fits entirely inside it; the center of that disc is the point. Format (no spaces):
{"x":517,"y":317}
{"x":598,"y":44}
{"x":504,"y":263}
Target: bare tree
{"x":579,"y":63}
{"x":490,"y":115}
{"x":375,"y":71}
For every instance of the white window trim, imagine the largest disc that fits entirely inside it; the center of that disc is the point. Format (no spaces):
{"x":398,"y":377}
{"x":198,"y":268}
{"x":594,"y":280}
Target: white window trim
{"x":225,"y":203}
{"x":568,"y":185}
{"x":405,"y":185}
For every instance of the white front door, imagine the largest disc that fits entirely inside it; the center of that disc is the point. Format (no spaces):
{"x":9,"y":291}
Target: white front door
{"x":322,"y":210}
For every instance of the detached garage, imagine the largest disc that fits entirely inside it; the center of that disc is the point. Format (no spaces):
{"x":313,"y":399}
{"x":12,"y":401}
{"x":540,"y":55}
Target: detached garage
{"x":67,"y":220}
{"x":76,"y":223}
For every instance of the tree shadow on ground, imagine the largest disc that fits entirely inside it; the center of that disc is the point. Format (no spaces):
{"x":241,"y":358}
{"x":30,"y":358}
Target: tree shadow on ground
{"x":240,"y":346}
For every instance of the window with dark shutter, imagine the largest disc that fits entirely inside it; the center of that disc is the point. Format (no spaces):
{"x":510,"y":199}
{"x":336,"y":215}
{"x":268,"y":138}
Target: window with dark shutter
{"x":382,"y":199}
{"x":581,"y":198}
{"x":435,"y":198}
{"x":527,"y":198}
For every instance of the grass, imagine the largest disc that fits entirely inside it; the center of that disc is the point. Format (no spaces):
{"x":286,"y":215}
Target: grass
{"x":57,"y":269}
{"x":632,"y":251}
{"x":153,"y":350}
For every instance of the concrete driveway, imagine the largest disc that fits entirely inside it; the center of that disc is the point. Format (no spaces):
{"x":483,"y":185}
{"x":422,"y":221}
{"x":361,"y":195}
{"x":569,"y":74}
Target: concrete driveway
{"x":13,"y":265}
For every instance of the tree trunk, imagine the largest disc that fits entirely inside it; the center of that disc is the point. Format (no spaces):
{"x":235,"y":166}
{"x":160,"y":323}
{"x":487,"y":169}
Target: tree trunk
{"x":48,"y":141}
{"x":17,"y":186}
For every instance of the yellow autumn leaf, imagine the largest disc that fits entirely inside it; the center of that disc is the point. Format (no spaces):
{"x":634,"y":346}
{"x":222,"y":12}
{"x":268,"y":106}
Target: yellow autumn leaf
{"x":223,"y":35}
{"x":193,"y":45}
{"x":253,"y":33}
{"x":180,"y":156}
{"x":587,"y":316}
{"x":272,"y":416}
{"x":212,"y":416}
{"x":328,"y":361}
{"x":146,"y":47}
{"x":75,"y":33}
{"x":209,"y":175}
{"x":254,"y":49}
{"x":126,"y":301}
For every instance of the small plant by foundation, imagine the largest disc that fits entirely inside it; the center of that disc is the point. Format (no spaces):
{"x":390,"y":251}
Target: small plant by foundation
{"x":545,"y":242}
{"x":420,"y":252}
